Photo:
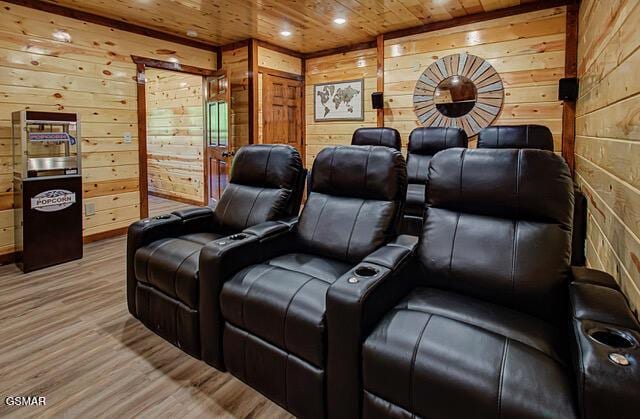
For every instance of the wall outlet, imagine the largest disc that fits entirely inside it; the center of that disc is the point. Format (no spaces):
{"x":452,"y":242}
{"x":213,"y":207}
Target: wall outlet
{"x":89,"y":208}
{"x":127,"y":137}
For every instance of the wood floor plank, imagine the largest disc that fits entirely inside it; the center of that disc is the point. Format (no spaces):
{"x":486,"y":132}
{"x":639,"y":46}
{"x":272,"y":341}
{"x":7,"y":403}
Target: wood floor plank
{"x":65,"y":333}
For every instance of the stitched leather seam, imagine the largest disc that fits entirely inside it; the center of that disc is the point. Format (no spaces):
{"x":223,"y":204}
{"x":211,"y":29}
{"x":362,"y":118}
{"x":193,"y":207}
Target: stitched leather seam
{"x":149,"y":258}
{"x":286,"y":313}
{"x":233,"y":194}
{"x":175,"y":274}
{"x":366,"y":168}
{"x":500,"y":380}
{"x":461,"y":321}
{"x":353,"y":227}
{"x":333,"y":154}
{"x":413,"y":363}
{"x":514,"y":253}
{"x":266,"y":165}
{"x":246,"y":294}
{"x":252,"y":205}
{"x":453,"y":245}
{"x":299,"y":272}
{"x":315,"y":228}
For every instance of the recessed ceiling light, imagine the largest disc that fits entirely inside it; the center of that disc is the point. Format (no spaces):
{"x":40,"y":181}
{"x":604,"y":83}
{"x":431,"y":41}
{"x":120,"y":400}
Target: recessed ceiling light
{"x":285,"y":33}
{"x":340,"y":21}
{"x":192,"y":33}
{"x":62,"y":35}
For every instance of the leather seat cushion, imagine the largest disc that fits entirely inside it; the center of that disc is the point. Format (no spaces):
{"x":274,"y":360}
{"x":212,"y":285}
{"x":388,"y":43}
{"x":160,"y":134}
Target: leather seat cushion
{"x":439,"y":355}
{"x":171,"y":265}
{"x":414,"y":205}
{"x":283,"y":302}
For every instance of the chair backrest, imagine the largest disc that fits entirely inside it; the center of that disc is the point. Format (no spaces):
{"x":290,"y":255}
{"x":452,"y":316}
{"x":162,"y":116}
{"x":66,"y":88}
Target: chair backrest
{"x":355,"y":201}
{"x":516,"y":136}
{"x":265,"y":184}
{"x":498,"y":227}
{"x":388,"y":137}
{"x":427,"y":141}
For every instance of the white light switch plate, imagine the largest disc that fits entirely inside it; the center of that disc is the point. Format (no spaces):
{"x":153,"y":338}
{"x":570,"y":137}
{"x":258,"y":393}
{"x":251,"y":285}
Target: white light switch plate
{"x":127,"y":138}
{"x":89,"y":208}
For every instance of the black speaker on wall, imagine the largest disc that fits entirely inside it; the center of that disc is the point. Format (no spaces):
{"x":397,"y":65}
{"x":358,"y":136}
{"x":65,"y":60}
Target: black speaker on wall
{"x":377,"y":101}
{"x":568,"y":89}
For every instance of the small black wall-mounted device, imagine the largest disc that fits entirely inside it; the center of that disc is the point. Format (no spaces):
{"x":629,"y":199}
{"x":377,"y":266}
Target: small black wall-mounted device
{"x":568,"y":89}
{"x":377,"y":101}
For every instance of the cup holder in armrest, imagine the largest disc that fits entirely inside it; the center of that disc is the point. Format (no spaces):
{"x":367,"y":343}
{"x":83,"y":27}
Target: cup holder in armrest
{"x":162,"y":217}
{"x":612,"y":338}
{"x":366,"y":271}
{"x":239,"y":236}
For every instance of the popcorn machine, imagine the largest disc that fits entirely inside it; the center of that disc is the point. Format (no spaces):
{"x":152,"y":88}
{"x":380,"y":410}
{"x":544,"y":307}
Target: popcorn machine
{"x":47,"y":185}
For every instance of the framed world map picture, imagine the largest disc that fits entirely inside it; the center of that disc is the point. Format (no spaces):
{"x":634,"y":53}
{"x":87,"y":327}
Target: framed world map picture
{"x":339,"y":101}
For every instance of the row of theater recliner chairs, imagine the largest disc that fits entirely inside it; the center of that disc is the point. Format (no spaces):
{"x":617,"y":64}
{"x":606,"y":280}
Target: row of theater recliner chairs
{"x":332,"y":314}
{"x":424,"y":143}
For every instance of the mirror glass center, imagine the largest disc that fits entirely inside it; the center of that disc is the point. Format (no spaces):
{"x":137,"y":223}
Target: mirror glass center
{"x":455,"y":96}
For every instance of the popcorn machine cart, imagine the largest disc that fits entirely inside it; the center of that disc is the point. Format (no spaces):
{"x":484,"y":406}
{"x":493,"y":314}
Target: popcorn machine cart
{"x":47,"y":186}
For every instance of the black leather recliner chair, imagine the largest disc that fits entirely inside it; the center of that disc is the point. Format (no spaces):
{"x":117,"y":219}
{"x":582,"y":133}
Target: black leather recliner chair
{"x":540,"y":137}
{"x":269,"y":328}
{"x":388,"y":137}
{"x":423,"y":144}
{"x":482,"y":325}
{"x":164,"y":287}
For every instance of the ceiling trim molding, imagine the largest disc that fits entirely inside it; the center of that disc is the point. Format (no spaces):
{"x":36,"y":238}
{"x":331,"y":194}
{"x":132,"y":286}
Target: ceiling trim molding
{"x":112,"y":23}
{"x":278,"y":48}
{"x":235,"y":45}
{"x":342,"y":50}
{"x":168,"y":65}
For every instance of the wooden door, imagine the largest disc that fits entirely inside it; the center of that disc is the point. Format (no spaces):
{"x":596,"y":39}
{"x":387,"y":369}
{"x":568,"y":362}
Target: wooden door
{"x":218,"y":153}
{"x":282,"y":111}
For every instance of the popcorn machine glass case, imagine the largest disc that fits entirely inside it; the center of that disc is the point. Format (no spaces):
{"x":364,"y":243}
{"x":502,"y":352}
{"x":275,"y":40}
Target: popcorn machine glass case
{"x":47,"y":188}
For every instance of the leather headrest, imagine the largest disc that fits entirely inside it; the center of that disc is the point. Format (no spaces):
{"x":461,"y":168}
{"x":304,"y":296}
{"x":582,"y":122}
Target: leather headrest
{"x":516,"y":136}
{"x":367,"y":172}
{"x":275,"y":166}
{"x":525,"y":184}
{"x":387,"y":137}
{"x":429,"y":140}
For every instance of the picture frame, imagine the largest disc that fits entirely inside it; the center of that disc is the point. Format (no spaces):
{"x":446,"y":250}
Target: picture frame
{"x":336,"y":101}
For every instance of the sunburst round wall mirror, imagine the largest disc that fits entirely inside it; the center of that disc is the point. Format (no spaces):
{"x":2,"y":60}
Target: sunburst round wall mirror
{"x":459,"y":90}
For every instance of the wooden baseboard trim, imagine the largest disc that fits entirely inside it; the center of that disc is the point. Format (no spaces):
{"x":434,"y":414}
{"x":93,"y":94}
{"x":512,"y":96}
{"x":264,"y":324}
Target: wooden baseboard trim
{"x":176,"y":198}
{"x":105,"y":235}
{"x":7,"y":258}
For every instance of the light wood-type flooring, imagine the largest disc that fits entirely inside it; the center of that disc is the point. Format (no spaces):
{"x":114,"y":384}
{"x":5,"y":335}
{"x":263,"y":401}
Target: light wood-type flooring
{"x":65,"y":333}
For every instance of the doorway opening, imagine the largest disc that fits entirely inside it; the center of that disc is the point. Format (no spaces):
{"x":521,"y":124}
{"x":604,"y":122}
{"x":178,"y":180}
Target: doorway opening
{"x":183,"y":124}
{"x":175,"y":129}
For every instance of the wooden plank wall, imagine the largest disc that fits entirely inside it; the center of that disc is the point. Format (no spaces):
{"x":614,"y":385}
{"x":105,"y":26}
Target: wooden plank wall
{"x":527,"y":50}
{"x":347,"y":66}
{"x":607,"y":148}
{"x":236,"y":62}
{"x":275,"y":60}
{"x":175,"y":142}
{"x":91,"y":74}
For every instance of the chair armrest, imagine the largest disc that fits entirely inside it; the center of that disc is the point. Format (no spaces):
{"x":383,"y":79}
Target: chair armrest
{"x":141,"y":233}
{"x":270,"y":228}
{"x":219,"y":261}
{"x":605,"y":347}
{"x":355,"y":304}
{"x":197,"y":219}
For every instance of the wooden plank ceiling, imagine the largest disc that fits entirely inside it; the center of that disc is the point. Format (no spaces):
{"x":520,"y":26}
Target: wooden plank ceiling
{"x":310,"y":22}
